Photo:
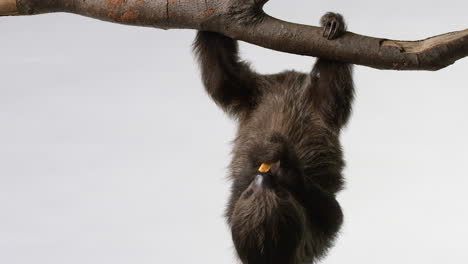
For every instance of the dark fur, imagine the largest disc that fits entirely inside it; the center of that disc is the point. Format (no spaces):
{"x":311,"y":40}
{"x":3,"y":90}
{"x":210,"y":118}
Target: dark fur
{"x":292,"y":120}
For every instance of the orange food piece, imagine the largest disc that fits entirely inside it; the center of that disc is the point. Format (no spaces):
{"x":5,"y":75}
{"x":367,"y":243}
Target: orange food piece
{"x":264,"y":168}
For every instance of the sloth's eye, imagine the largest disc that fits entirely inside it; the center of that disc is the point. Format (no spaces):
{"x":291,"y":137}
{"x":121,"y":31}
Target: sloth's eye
{"x":282,"y":194}
{"x":248,"y":193}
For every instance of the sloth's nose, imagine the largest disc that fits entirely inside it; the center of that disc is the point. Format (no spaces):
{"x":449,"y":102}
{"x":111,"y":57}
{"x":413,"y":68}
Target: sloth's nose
{"x":263,"y":180}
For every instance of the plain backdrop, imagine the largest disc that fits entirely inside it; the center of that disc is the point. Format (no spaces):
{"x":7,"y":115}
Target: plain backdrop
{"x":111,"y":152}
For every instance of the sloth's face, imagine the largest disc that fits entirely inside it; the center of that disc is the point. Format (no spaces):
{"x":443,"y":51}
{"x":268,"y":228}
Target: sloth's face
{"x":268,"y":222}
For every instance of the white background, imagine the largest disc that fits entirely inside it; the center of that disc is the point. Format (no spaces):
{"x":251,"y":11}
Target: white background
{"x":110,"y":151}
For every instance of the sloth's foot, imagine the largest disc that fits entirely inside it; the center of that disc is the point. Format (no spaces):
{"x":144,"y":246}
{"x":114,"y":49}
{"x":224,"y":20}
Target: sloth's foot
{"x":333,"y":25}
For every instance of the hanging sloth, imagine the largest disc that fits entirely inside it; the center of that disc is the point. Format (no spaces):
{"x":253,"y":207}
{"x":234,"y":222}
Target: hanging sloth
{"x":288,"y":126}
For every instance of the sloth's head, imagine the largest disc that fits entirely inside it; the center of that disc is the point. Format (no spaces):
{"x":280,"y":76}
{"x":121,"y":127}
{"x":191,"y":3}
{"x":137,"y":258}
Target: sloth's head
{"x":268,"y":222}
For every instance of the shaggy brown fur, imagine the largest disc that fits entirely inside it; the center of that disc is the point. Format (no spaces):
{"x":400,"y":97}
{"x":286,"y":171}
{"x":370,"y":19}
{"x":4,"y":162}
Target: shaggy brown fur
{"x":293,"y":120}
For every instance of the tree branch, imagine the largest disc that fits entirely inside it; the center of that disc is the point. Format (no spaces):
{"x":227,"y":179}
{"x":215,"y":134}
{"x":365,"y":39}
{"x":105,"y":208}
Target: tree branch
{"x":245,"y":20}
{"x":8,"y":8}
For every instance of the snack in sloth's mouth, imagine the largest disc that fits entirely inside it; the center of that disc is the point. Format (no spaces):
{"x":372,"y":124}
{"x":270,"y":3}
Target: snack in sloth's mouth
{"x":264,"y":168}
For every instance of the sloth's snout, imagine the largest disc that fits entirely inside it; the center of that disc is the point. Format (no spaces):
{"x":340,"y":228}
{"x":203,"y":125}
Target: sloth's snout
{"x":263,"y":180}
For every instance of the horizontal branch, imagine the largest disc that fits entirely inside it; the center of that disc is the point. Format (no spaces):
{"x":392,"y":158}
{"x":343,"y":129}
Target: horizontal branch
{"x":245,"y":20}
{"x":8,"y":7}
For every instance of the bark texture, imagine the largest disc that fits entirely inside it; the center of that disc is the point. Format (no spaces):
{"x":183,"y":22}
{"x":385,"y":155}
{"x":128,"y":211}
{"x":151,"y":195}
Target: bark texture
{"x":8,"y":7}
{"x":245,"y":20}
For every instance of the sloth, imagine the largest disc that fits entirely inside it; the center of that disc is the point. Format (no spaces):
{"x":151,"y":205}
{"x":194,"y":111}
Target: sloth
{"x":289,"y":122}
